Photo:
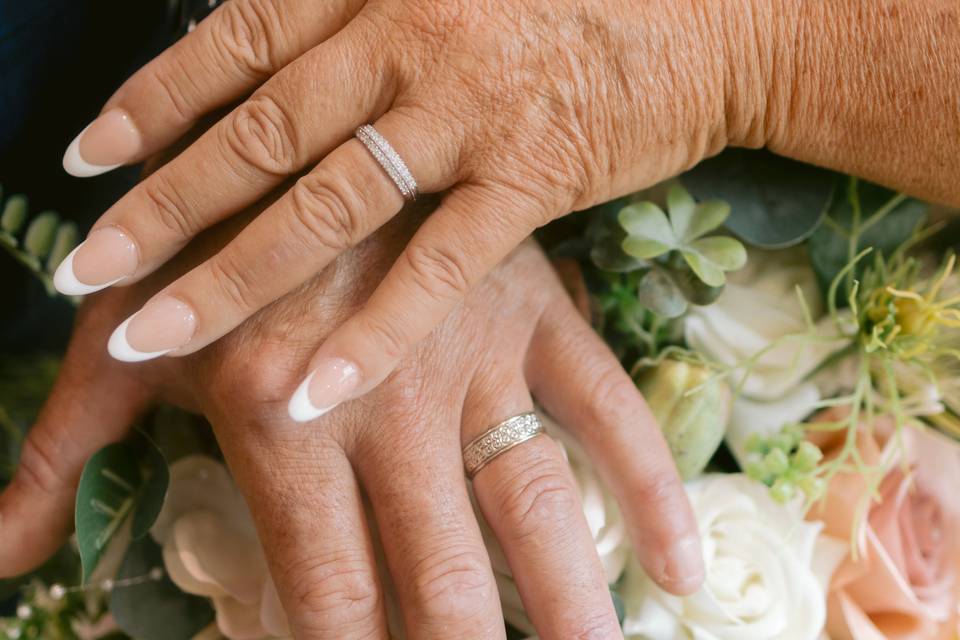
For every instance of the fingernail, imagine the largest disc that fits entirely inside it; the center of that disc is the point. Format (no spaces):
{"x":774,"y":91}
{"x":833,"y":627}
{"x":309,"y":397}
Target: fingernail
{"x":106,"y":257}
{"x":683,"y":569}
{"x":108,"y":142}
{"x":333,"y":381}
{"x":158,"y":328}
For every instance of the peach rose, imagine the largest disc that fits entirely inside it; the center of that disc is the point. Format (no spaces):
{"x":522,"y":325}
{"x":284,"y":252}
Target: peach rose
{"x":903,"y":583}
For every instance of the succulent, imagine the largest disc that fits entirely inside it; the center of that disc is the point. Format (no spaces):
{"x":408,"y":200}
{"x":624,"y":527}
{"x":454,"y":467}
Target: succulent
{"x":692,"y":406}
{"x":650,"y":235}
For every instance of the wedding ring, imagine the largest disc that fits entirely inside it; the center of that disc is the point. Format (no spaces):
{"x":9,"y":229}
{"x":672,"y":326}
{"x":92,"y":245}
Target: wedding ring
{"x":388,"y":158}
{"x":498,"y":440}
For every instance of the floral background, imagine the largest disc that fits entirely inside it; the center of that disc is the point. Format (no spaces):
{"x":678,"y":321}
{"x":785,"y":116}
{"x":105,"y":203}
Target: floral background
{"x":796,"y":333}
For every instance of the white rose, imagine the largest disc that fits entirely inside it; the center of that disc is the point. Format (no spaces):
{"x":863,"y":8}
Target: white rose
{"x":602,"y":515}
{"x":758,"y":307}
{"x":210,"y":549}
{"x":767,"y":572}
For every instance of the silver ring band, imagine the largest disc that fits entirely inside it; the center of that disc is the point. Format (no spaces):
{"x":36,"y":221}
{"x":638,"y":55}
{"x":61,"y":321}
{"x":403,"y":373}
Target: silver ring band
{"x":388,"y":158}
{"x":498,"y":440}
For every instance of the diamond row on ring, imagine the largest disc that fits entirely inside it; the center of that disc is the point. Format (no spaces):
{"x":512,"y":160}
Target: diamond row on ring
{"x":500,"y":438}
{"x":387,"y":157}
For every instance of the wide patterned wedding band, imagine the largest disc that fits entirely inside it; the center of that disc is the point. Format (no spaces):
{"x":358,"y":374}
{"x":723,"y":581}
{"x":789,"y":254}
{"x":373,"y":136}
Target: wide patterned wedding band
{"x":498,"y":440}
{"x":389,"y":159}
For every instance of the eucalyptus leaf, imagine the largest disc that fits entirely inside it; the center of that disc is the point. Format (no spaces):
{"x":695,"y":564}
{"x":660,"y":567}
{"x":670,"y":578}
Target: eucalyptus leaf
{"x":890,"y":220}
{"x":155,"y":609}
{"x":122,"y":480}
{"x":660,"y":294}
{"x":775,"y":202}
{"x":41,"y":233}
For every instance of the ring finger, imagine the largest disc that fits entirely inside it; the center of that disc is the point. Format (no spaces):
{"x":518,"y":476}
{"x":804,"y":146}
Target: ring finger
{"x":528,"y":496}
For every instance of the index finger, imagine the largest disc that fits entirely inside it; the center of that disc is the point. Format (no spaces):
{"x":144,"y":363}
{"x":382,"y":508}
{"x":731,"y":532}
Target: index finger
{"x":227,"y":56}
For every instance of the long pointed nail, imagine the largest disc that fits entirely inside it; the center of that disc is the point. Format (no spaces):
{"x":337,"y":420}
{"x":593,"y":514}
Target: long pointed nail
{"x":161,"y":326}
{"x":330,"y":383}
{"x":108,"y":142}
{"x":105,"y":258}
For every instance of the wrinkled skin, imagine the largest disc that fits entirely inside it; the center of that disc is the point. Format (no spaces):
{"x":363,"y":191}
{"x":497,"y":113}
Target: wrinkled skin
{"x":400,"y":446}
{"x":524,"y":110}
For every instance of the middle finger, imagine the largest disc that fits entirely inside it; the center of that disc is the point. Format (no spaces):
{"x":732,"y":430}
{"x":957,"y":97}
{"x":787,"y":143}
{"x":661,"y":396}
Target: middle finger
{"x":528,"y":496}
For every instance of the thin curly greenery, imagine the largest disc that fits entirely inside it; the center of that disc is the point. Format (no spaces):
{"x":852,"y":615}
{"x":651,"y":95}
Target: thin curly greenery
{"x":898,"y":323}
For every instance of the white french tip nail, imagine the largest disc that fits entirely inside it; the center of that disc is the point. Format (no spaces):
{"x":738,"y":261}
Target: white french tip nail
{"x":300,"y":407}
{"x":65,"y":280}
{"x":120,"y":348}
{"x":76,"y":166}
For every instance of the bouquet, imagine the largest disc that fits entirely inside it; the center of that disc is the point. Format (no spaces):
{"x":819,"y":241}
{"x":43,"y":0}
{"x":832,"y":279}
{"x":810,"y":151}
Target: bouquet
{"x":795,"y":332}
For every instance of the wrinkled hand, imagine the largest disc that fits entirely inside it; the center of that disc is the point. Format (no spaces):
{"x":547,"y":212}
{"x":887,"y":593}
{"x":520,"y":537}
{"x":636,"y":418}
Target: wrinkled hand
{"x":527,"y":110}
{"x":400,"y":446}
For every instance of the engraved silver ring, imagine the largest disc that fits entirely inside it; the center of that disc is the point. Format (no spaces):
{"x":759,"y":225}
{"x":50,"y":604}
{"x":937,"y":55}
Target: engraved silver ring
{"x":500,"y":439}
{"x":388,"y":158}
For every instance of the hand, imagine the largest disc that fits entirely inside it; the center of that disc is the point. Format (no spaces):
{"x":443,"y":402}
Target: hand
{"x":399,"y":445}
{"x":526,"y":111}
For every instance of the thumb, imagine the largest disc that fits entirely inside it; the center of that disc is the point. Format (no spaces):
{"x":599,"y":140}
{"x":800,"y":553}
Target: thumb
{"x":93,"y":402}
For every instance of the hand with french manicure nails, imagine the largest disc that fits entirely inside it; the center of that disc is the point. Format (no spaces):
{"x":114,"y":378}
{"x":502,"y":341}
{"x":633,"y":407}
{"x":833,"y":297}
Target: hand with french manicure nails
{"x":522,"y":111}
{"x":517,"y":334}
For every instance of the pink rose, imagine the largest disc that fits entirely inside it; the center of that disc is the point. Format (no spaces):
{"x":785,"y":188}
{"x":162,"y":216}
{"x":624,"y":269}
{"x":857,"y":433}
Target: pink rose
{"x":903,"y":583}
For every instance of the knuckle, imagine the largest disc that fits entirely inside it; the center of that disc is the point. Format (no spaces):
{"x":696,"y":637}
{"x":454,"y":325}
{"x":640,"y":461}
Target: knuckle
{"x":332,"y":592}
{"x":250,"y":375}
{"x":328,"y":209}
{"x":233,"y":284}
{"x":452,"y":585}
{"x":261,"y":134}
{"x":658,"y":492}
{"x":439,"y":272}
{"x":611,"y":396}
{"x":244,"y":35}
{"x":175,"y":85}
{"x":540,"y":496}
{"x":168,"y":208}
{"x":387,"y":334}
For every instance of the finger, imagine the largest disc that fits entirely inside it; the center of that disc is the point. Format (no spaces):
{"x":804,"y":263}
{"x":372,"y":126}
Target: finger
{"x":576,"y":377}
{"x":343,"y":200}
{"x":232,"y":52}
{"x":309,"y":516}
{"x":431,"y":540}
{"x":285,"y":126}
{"x":463,"y":240}
{"x":92,"y":404}
{"x":528,"y":497}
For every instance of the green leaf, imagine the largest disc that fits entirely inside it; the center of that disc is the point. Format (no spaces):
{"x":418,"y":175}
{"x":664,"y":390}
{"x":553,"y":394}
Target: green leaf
{"x":156,"y":476}
{"x":830,"y":245}
{"x":658,"y":293}
{"x":706,"y":270}
{"x":63,"y":243}
{"x":775,"y":202}
{"x":643,"y":248}
{"x":14,"y":214}
{"x":647,"y":220}
{"x":122,"y":480}
{"x":695,"y":290}
{"x":709,"y":216}
{"x":682,"y":207}
{"x":725,"y":252}
{"x":41,"y":233}
{"x":155,"y":609}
